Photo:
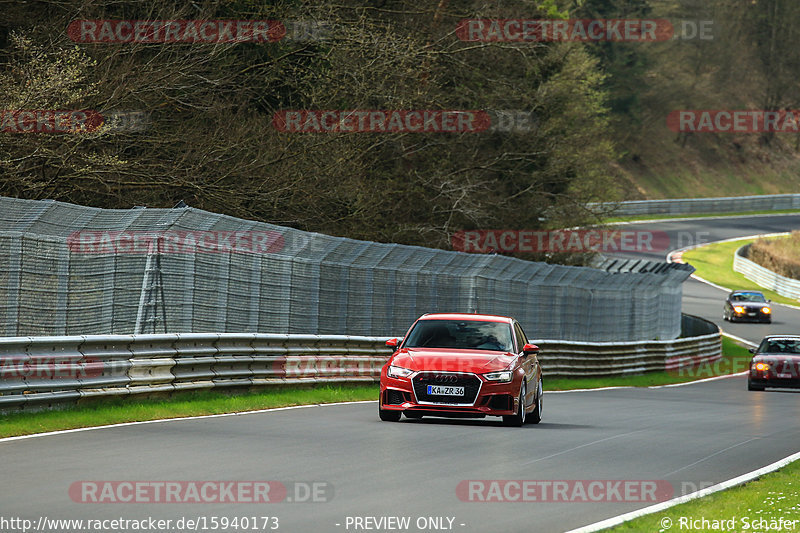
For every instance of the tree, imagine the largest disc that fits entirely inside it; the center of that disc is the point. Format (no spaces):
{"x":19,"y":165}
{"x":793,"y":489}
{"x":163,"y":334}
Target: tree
{"x":210,"y":138}
{"x":624,"y":63}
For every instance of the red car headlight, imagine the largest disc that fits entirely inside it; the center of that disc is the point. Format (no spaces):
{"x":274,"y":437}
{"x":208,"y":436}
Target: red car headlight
{"x":761,"y":367}
{"x":398,"y":372}
{"x":504,"y":376}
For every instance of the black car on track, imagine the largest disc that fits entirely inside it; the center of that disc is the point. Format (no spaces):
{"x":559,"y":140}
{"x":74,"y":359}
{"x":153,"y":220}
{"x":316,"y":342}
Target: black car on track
{"x":747,"y":306}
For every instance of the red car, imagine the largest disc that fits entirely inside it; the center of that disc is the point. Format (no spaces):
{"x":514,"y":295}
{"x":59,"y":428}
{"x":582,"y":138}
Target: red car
{"x":463,"y":365}
{"x":775,"y":363}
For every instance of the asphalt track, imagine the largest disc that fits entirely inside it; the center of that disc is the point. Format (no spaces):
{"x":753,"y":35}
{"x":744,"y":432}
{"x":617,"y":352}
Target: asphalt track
{"x":703,"y":300}
{"x":690,"y":436}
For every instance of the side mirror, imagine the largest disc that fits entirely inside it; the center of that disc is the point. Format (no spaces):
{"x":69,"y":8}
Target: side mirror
{"x":752,"y":350}
{"x":530,"y":349}
{"x":392,"y":343}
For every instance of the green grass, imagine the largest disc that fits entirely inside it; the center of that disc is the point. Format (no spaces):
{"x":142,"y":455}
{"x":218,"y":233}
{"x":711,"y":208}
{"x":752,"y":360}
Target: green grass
{"x":640,"y":218}
{"x":119,"y":410}
{"x":735,"y":359}
{"x":774,"y":495}
{"x":714,"y":262}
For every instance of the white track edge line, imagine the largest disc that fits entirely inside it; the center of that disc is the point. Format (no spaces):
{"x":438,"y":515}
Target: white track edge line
{"x":739,"y":339}
{"x":619,"y":387}
{"x":141,"y":422}
{"x":744,"y":478}
{"x":704,"y":380}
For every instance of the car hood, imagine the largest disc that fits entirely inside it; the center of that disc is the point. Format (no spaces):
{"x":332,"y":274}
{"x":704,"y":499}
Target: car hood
{"x":748,"y":305}
{"x":767,"y":357}
{"x":449,"y":360}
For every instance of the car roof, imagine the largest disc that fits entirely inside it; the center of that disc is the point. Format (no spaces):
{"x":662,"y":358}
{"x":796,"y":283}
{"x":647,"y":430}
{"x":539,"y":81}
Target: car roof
{"x":781,"y":337}
{"x":745,"y":291}
{"x":466,"y":316}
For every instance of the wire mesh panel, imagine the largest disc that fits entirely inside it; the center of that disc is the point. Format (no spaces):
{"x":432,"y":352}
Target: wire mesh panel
{"x":38,"y":285}
{"x":72,"y":270}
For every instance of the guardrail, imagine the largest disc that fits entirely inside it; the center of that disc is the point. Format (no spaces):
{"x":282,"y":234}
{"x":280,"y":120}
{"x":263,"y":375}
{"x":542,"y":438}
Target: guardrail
{"x":687,"y":206}
{"x":43,"y":372}
{"x":763,"y":276}
{"x":40,"y":372}
{"x":701,"y":344}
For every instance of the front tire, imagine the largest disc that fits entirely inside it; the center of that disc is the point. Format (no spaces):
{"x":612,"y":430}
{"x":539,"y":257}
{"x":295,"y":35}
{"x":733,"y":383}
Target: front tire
{"x":518,"y":419}
{"x":536,"y":416}
{"x":389,"y":416}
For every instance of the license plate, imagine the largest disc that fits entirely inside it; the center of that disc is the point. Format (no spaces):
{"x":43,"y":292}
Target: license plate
{"x":442,"y":390}
{"x":752,"y":314}
{"x":784,"y":376}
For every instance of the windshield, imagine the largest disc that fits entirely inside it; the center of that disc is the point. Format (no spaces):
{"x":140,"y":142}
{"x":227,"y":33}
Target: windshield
{"x":748,"y":297}
{"x":780,"y":346}
{"x":472,"y":334}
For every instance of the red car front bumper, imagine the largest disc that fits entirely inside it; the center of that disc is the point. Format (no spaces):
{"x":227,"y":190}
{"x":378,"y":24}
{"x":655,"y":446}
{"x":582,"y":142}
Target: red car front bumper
{"x":492,"y":398}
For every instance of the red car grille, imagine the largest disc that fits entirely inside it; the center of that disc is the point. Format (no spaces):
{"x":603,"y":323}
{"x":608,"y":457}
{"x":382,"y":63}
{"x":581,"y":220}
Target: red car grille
{"x":470,"y":383}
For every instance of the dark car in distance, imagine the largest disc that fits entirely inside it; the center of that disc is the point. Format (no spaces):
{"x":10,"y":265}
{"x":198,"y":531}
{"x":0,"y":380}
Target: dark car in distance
{"x":747,"y":305}
{"x":775,"y":363}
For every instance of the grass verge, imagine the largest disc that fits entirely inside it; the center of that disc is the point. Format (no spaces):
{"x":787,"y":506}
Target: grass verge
{"x":735,"y":359}
{"x":714,"y":262}
{"x":119,"y":410}
{"x":774,"y":496}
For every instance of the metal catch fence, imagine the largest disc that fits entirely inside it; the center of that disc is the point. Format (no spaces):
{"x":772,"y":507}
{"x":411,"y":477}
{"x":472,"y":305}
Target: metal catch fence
{"x":73,"y":270}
